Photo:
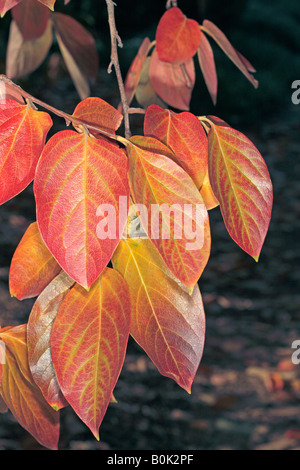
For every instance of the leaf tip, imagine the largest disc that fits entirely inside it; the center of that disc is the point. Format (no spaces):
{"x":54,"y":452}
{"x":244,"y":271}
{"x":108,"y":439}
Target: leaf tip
{"x":256,"y":258}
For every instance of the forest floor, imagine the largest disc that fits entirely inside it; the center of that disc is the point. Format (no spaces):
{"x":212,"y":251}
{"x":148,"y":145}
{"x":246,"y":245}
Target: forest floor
{"x":246,"y":394}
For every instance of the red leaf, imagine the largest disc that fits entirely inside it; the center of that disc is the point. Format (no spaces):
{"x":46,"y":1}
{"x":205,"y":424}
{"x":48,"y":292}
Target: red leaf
{"x":6,"y":5}
{"x":23,"y":133}
{"x":168,"y":323}
{"x":236,"y":57}
{"x":39,"y":328}
{"x":241,"y":182}
{"x":31,"y":18}
{"x":177,"y":38}
{"x":20,"y":393}
{"x":185,"y":136}
{"x":99,"y":113}
{"x":174,"y":83}
{"x":78,"y":49}
{"x":32,"y":267}
{"x":75,"y":175}
{"x":88,"y":343}
{"x":170,"y":196}
{"x":23,"y":57}
{"x":134,"y":72}
{"x":208,"y":67}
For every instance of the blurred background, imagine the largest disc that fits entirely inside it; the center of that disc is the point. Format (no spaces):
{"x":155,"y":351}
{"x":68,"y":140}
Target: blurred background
{"x":246,"y":393}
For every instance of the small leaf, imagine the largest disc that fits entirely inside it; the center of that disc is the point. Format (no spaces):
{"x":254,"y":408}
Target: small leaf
{"x":23,"y":57}
{"x":32,"y":267}
{"x":173,"y":83}
{"x":145,"y":93}
{"x":99,"y":113}
{"x":20,"y":393}
{"x":23,"y":133}
{"x":236,"y":57}
{"x":185,"y":136}
{"x":75,"y":176}
{"x":208,"y":67}
{"x":177,"y":38}
{"x":39,"y":328}
{"x":241,"y":182}
{"x":88,"y":344}
{"x":168,"y":323}
{"x":6,"y":5}
{"x":31,"y":18}
{"x":176,"y":218}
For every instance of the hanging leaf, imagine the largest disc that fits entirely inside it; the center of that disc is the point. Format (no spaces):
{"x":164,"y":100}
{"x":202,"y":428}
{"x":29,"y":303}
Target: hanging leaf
{"x":168,"y":323}
{"x":145,"y":93}
{"x":39,"y":328}
{"x":176,"y":219}
{"x":21,"y":395}
{"x":99,"y":113}
{"x":236,"y":57}
{"x":6,"y":5}
{"x":32,"y":267}
{"x":177,"y":37}
{"x":23,"y":57}
{"x":88,"y":343}
{"x":78,"y":179}
{"x":208,"y":67}
{"x":185,"y":136}
{"x":173,"y":83}
{"x":241,"y":182}
{"x":23,"y":133}
{"x":31,"y":18}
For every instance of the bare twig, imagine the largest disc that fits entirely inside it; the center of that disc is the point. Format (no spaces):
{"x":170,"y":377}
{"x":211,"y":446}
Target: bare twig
{"x":114,"y":62}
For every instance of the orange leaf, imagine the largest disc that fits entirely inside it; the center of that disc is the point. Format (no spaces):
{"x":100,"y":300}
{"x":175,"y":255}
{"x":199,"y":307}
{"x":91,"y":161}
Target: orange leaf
{"x":184,"y":134}
{"x":167,"y":322}
{"x":177,"y":38}
{"x":39,"y":328}
{"x":23,"y":133}
{"x":207,"y":194}
{"x":6,"y":5}
{"x":75,"y":176}
{"x":20,"y":393}
{"x":236,"y":57}
{"x":23,"y":57}
{"x":241,"y":182}
{"x":32,"y":266}
{"x":176,"y":219}
{"x":31,"y":18}
{"x":208,"y":67}
{"x":173,"y":83}
{"x":88,"y":344}
{"x":99,"y":113}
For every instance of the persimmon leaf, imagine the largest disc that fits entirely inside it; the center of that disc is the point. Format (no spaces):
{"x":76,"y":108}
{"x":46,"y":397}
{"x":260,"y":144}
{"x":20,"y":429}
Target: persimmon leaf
{"x":20,"y":393}
{"x":241,"y":182}
{"x":88,"y":343}
{"x":145,"y":93}
{"x":31,"y":18}
{"x":185,"y":136}
{"x":23,"y":132}
{"x":208,"y":67}
{"x":23,"y":57}
{"x":168,"y":323}
{"x":76,"y":174}
{"x":176,"y":219}
{"x":39,"y":328}
{"x":173,"y":83}
{"x":207,"y":193}
{"x":32,"y":266}
{"x":98,"y":112}
{"x":177,"y":37}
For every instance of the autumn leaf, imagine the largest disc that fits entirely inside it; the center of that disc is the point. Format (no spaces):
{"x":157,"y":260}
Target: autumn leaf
{"x":177,"y":37}
{"x":208,"y":67}
{"x":75,"y":177}
{"x":99,"y":113}
{"x":185,"y":136}
{"x":39,"y":328}
{"x":207,"y":194}
{"x":88,"y":344}
{"x":176,"y":219}
{"x":21,"y":395}
{"x":167,"y":322}
{"x":145,"y":93}
{"x":32,"y":267}
{"x":173,"y":83}
{"x":241,"y":182}
{"x":31,"y":18}
{"x":23,"y":132}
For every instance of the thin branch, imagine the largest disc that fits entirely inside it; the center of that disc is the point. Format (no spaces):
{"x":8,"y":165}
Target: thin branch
{"x":114,"y":62}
